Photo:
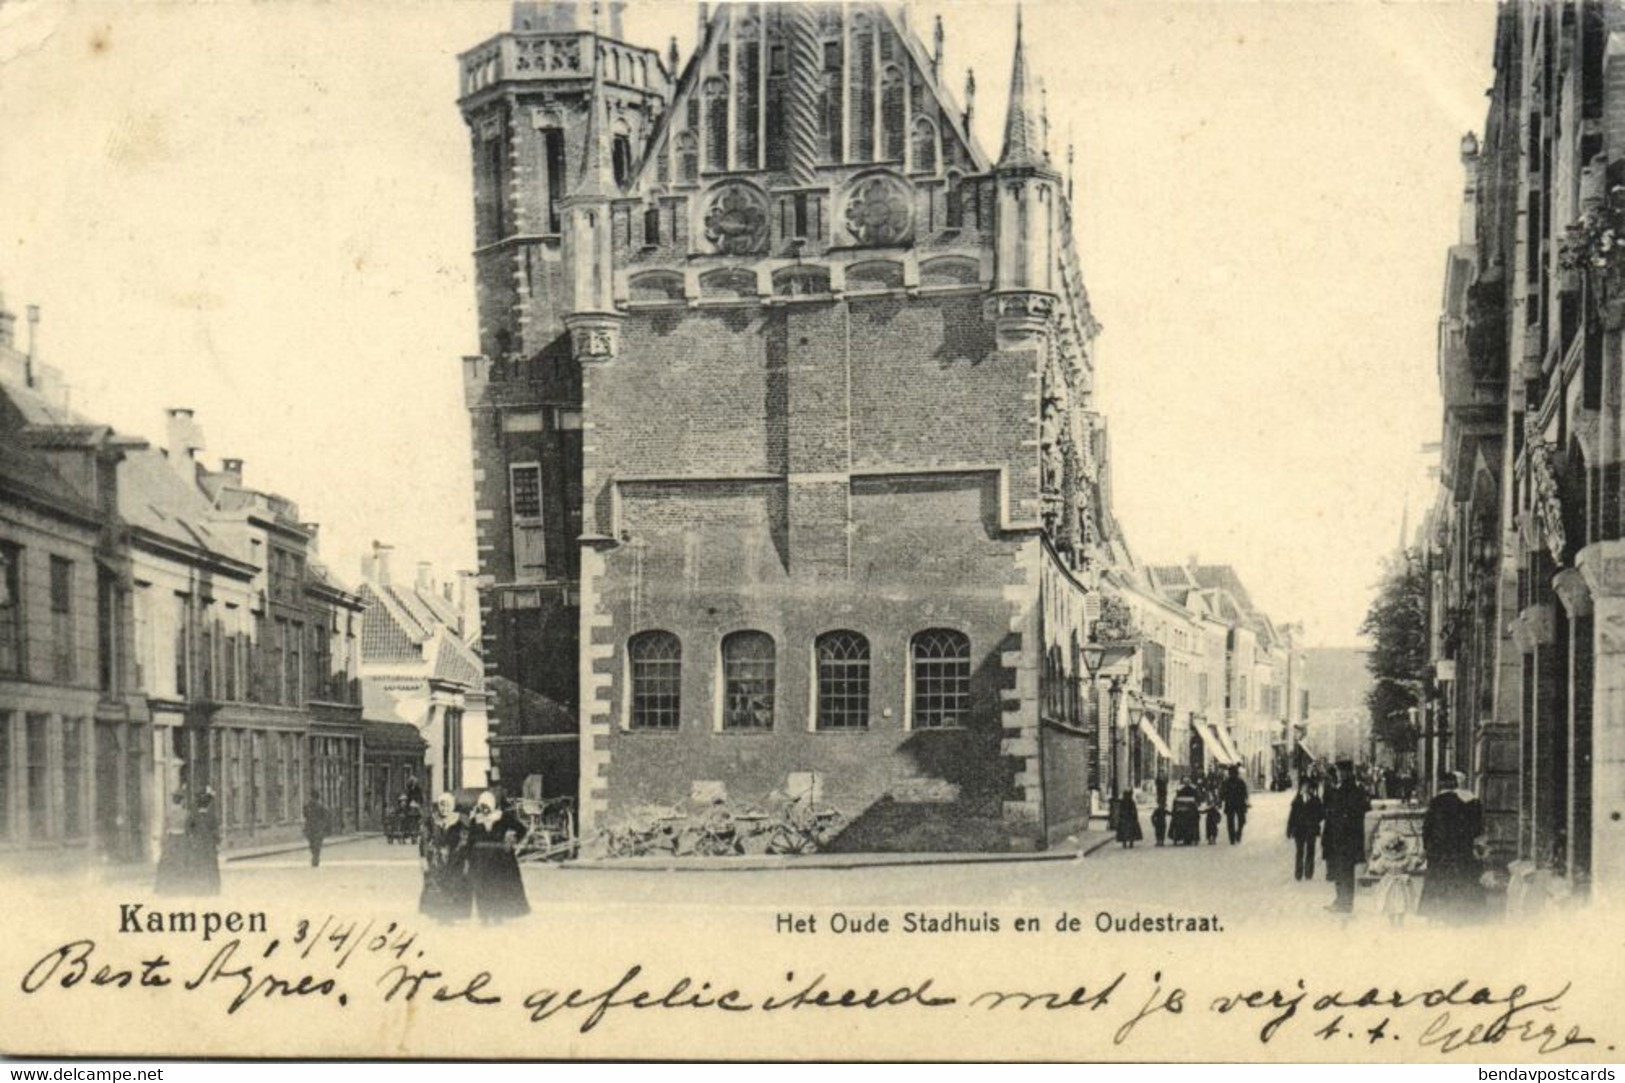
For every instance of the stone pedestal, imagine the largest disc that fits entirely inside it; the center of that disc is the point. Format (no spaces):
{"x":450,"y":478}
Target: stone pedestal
{"x":1603,"y":565}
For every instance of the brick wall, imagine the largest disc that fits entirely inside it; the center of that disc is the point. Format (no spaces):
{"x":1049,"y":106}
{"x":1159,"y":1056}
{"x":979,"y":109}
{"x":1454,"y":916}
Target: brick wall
{"x":721,"y":450}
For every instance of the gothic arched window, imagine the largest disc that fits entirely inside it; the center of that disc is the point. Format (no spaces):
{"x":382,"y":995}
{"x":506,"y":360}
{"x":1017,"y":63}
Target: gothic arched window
{"x":940,"y":658}
{"x":891,"y":113}
{"x":748,"y":681}
{"x":843,"y":681}
{"x":716,"y":123}
{"x":923,"y":151}
{"x":655,"y":664}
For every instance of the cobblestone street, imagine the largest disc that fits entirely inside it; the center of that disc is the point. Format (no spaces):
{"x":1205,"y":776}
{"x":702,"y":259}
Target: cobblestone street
{"x":1247,"y":885}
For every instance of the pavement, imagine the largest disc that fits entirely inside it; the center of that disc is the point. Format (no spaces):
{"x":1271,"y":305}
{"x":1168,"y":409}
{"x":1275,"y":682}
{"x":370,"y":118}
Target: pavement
{"x":1245,"y":885}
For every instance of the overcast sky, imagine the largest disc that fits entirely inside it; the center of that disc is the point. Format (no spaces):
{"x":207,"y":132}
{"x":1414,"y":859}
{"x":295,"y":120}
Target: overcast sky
{"x":263,"y":212}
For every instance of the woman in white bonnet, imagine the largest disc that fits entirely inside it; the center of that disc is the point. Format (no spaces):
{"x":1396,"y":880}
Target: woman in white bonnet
{"x":447,"y":895}
{"x":493,"y":871}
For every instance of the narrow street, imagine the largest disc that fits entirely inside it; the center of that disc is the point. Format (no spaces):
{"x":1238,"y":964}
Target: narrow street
{"x":1249,"y":884}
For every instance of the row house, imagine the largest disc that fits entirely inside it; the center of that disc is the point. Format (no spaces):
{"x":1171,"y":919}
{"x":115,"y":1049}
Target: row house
{"x":247,"y":649}
{"x":421,"y":670}
{"x":1525,"y":545}
{"x":1255,"y":693}
{"x":74,"y":734}
{"x":164,"y":629}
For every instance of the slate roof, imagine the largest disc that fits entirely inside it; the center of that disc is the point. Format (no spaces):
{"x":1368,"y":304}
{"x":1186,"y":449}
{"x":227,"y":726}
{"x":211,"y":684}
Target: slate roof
{"x":154,"y":497}
{"x":24,"y":469}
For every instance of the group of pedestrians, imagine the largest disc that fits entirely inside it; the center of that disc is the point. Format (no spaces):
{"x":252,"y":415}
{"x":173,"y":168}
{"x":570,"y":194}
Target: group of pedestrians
{"x":1334,"y":817}
{"x":469,"y":862}
{"x":1445,"y":855}
{"x":1198,"y":804}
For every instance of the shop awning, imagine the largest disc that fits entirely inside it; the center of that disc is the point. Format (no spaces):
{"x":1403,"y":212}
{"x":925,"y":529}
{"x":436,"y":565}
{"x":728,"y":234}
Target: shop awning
{"x":1307,"y":751}
{"x":1155,"y":738}
{"x":1212,"y":743}
{"x":1229,"y":743}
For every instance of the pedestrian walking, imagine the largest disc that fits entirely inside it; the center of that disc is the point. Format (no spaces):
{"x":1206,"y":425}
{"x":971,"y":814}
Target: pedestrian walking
{"x":1183,"y":826}
{"x":1344,"y":835}
{"x":318,"y":822}
{"x":1233,"y":796}
{"x":1159,"y":823}
{"x":203,"y":846}
{"x":1451,"y":891}
{"x":447,"y":895}
{"x":1128,"y":821}
{"x":1303,"y":828}
{"x":1210,"y":816}
{"x":493,"y":871}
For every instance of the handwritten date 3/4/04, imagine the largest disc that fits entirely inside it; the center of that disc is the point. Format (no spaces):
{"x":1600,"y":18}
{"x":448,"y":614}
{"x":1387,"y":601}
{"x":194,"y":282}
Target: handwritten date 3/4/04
{"x":340,"y":964}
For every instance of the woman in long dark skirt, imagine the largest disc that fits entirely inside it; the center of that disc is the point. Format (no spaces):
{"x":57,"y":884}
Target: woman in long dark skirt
{"x":1184,"y":826}
{"x":175,"y":858}
{"x":203,"y":848}
{"x":447,"y":895}
{"x":493,"y":871}
{"x":1128,"y":821}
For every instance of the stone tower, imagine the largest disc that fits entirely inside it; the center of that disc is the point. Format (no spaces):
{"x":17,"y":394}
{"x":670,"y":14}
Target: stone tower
{"x":558,"y":109}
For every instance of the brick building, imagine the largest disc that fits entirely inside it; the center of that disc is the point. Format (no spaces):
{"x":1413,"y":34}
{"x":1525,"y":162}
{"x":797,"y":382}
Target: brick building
{"x":787,"y":464}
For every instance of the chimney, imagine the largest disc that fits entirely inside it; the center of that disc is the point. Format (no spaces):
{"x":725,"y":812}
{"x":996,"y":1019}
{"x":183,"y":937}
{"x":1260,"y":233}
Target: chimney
{"x":233,"y":469}
{"x":425,"y":579}
{"x":380,"y":562}
{"x":185,"y":440}
{"x":33,"y":344}
{"x":1193,"y":562}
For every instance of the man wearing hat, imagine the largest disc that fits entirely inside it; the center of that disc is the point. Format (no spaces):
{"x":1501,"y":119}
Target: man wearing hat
{"x":1451,"y":889}
{"x":1344,"y":836}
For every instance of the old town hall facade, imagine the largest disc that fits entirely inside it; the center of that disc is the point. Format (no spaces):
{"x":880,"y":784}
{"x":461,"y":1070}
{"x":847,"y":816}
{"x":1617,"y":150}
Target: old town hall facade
{"x":787,"y":468}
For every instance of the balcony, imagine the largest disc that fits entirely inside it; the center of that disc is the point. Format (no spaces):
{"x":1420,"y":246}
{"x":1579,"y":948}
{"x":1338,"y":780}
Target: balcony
{"x":542,"y":57}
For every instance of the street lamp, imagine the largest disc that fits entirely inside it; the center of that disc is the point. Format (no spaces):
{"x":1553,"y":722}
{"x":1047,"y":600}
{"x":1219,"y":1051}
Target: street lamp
{"x":1110,"y":660}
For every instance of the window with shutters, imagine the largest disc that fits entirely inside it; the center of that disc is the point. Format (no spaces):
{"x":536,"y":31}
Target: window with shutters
{"x":843,"y":681}
{"x":525,"y":500}
{"x":748,"y":680}
{"x":655,"y":664}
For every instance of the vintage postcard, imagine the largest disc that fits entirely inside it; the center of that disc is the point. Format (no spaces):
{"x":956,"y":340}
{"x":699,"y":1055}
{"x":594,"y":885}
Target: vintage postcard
{"x":1090,"y":530}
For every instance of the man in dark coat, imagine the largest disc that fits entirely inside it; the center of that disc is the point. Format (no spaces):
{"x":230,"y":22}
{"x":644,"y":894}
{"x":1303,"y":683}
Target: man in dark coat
{"x":1303,"y":828}
{"x":317,"y":825}
{"x":1451,"y":890}
{"x":1344,"y":838}
{"x":1233,"y":796}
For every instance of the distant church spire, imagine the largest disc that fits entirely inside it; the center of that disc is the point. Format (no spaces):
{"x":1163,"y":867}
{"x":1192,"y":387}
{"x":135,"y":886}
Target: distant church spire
{"x":1022,"y":137}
